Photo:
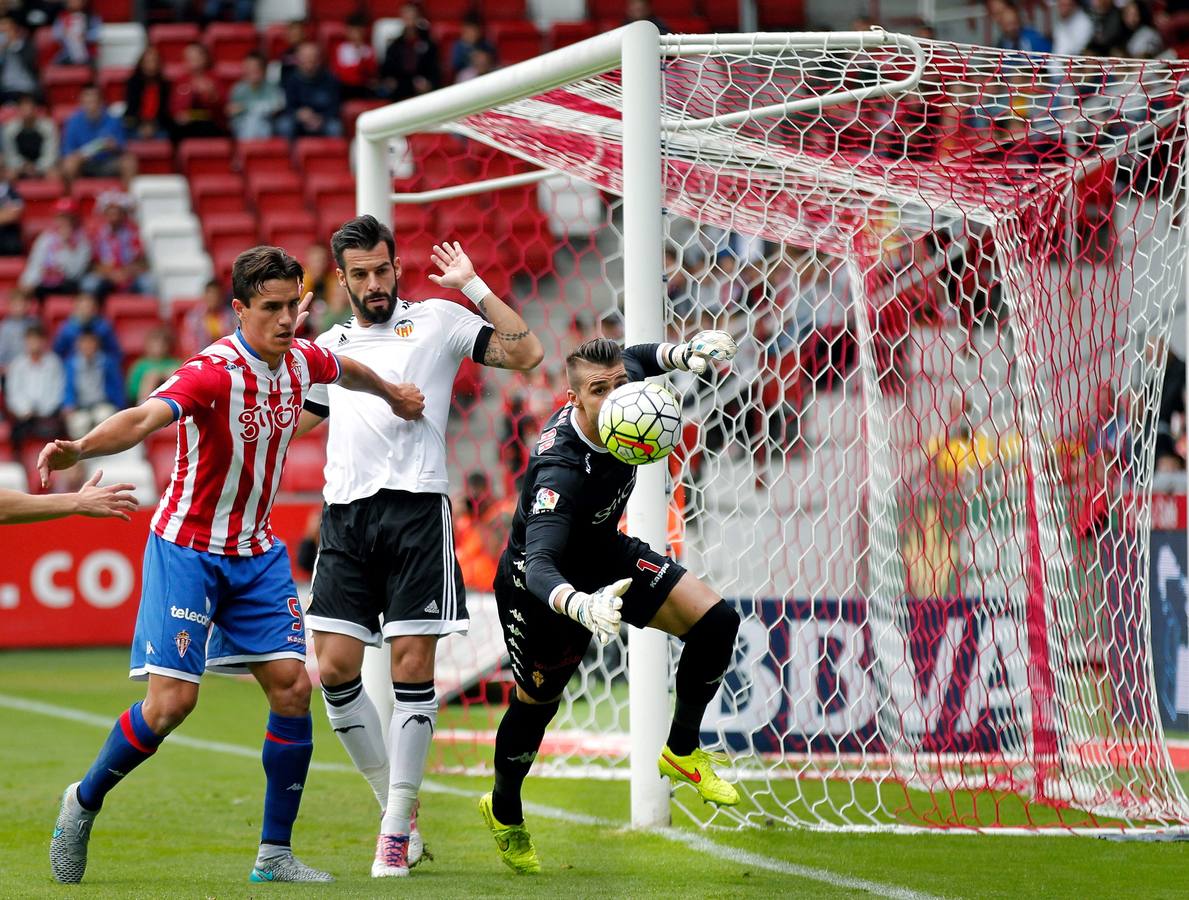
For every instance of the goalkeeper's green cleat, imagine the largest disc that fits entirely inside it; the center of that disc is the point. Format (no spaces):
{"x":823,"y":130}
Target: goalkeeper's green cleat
{"x":697,"y":770}
{"x":513,"y":841}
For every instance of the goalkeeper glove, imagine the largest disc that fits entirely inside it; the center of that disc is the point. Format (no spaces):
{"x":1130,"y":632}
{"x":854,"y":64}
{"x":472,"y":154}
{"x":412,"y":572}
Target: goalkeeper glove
{"x":597,"y":612}
{"x":695,"y":355}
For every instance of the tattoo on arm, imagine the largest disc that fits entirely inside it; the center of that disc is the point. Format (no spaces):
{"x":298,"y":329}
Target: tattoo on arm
{"x":512,"y":335}
{"x":495,"y":355}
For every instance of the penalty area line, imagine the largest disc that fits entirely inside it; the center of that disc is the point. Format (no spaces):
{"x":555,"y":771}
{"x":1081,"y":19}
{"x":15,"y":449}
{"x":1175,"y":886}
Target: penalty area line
{"x":693,"y":841}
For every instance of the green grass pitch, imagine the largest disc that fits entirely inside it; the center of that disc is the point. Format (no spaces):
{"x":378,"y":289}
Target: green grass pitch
{"x":186,"y":823}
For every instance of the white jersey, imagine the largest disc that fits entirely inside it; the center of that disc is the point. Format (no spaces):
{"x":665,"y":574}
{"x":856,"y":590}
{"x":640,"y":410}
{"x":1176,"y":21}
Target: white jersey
{"x":369,"y":449}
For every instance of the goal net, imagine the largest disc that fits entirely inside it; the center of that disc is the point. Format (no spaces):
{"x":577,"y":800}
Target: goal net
{"x":926,"y":480}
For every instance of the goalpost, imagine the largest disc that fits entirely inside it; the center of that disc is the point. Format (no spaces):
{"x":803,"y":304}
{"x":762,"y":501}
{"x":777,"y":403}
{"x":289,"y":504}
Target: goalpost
{"x":927,"y":484}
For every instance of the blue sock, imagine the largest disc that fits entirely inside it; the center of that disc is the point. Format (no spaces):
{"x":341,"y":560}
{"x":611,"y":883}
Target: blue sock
{"x":130,"y":743}
{"x":288,"y":746}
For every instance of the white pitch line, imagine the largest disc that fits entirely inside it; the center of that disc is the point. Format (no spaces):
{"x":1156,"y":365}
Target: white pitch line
{"x":691,"y":840}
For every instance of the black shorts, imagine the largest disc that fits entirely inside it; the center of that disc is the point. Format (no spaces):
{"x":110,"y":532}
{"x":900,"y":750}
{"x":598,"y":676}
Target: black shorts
{"x":545,"y":646}
{"x":390,"y":555}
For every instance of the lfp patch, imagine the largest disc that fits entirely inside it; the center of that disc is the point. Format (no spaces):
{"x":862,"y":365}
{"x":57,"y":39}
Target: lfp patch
{"x":403,"y":328}
{"x":545,"y":501}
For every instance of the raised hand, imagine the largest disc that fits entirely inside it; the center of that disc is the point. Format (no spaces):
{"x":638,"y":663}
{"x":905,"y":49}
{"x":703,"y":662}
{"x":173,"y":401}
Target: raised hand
{"x":303,"y":311}
{"x":456,"y":266}
{"x":695,"y":355}
{"x":113,"y":501}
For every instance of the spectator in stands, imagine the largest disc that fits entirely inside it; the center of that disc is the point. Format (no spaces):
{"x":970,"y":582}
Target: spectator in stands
{"x":147,"y":96}
{"x":33,"y":391}
{"x":76,"y":30}
{"x":1072,"y":28}
{"x":30,"y":141}
{"x":86,"y":317}
{"x":482,"y":62}
{"x":1013,"y":35}
{"x":354,"y":63}
{"x":197,"y":101}
{"x":12,"y":207}
{"x":151,"y":371}
{"x":60,"y":256}
{"x":477,"y":550}
{"x":93,"y":141}
{"x":1144,"y":41}
{"x":228,"y":10}
{"x":470,"y":39}
{"x":1109,"y":30}
{"x":1172,"y":408}
{"x":18,"y":61}
{"x":296,"y":34}
{"x":94,"y":388}
{"x":410,"y":64}
{"x":209,"y":321}
{"x":641,"y":11}
{"x":20,"y":319}
{"x":119,"y":257}
{"x":255,"y":102}
{"x":312,"y":98}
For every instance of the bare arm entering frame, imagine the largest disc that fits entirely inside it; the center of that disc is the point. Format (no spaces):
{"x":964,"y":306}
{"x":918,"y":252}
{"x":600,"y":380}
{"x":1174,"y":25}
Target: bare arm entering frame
{"x":513,"y":346}
{"x":111,"y":501}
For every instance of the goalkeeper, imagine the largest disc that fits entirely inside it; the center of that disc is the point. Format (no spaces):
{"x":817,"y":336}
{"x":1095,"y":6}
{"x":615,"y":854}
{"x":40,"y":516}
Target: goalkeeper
{"x":568,"y":572}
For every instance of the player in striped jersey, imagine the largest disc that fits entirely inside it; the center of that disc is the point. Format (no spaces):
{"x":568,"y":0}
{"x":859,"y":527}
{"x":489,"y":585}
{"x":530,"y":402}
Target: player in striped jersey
{"x":217,"y":590}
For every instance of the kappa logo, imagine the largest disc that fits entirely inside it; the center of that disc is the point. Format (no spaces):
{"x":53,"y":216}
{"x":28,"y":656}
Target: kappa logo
{"x":432,"y":607}
{"x":148,"y":648}
{"x":516,"y":581}
{"x":587,"y":463}
{"x":520,"y":564}
{"x":182,"y":642}
{"x":645,"y":566}
{"x":516,"y":631}
{"x":517,"y":615}
{"x":512,"y":643}
{"x":403,"y":328}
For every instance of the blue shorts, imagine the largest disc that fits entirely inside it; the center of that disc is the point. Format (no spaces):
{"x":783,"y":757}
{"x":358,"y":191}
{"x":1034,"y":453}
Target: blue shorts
{"x":202,"y":611}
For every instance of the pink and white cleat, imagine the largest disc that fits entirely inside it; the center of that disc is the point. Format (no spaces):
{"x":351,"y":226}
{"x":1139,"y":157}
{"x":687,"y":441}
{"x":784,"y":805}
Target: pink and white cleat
{"x":392,"y":856}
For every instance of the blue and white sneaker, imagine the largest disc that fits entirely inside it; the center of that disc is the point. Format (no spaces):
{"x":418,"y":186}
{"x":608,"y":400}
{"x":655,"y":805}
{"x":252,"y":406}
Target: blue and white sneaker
{"x":72,"y":833}
{"x":286,"y":867}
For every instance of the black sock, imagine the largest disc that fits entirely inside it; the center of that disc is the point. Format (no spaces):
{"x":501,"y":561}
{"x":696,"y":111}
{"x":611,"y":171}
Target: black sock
{"x":516,"y":744}
{"x":709,"y":646}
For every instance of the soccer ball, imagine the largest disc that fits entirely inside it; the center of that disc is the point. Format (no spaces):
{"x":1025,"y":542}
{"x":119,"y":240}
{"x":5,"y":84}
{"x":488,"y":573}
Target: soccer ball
{"x":640,"y":422}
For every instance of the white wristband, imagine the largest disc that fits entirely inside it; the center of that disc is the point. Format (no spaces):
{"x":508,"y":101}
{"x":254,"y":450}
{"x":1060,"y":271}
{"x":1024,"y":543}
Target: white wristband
{"x":476,"y":289}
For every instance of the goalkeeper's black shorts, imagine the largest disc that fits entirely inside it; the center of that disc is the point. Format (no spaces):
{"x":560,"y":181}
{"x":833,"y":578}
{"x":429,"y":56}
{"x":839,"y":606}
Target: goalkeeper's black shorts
{"x":545,"y":646}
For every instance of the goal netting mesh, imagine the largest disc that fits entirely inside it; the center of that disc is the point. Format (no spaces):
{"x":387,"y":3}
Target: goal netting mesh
{"x":926,"y":481}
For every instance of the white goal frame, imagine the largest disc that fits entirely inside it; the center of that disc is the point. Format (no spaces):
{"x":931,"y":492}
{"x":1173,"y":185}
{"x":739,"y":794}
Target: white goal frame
{"x":639,"y":50}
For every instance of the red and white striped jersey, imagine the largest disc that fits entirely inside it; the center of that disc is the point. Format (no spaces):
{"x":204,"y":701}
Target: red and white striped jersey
{"x":236,"y":417}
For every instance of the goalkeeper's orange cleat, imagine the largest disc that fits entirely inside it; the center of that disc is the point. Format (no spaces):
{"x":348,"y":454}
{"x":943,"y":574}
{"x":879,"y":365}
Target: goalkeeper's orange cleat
{"x":697,"y":770}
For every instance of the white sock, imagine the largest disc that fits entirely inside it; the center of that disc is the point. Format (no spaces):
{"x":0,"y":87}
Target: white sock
{"x":414,"y":718}
{"x":354,"y":719}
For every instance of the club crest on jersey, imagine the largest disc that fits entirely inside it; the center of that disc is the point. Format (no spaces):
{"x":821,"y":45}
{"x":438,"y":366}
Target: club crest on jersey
{"x":182,"y":642}
{"x":545,"y":501}
{"x":403,"y":328}
{"x":538,"y":678}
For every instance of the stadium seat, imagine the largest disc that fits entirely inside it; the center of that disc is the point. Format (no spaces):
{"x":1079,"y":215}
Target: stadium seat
{"x":268,"y":155}
{"x":205,"y":156}
{"x":12,"y":475}
{"x":229,"y":233}
{"x":178,"y":309}
{"x":131,"y":306}
{"x":46,"y":46}
{"x":231,"y":41}
{"x":56,"y":309}
{"x":607,"y":9}
{"x":305,"y":462}
{"x":10,"y":271}
{"x":153,"y":157}
{"x":120,"y":43}
{"x":722,"y":15}
{"x":509,"y":10}
{"x":687,"y":25}
{"x":219,"y":194}
{"x":61,"y":84}
{"x":133,"y":335}
{"x":86,"y":190}
{"x":6,"y":447}
{"x":162,"y":458}
{"x":330,"y":33}
{"x":113,"y":10}
{"x":515,"y":40}
{"x":158,"y":195}
{"x":31,"y":227}
{"x":111,"y":83}
{"x":445,"y":34}
{"x":325,"y":10}
{"x":352,"y":110}
{"x":318,"y":156}
{"x":276,"y":192}
{"x":136,"y":472}
{"x":177,"y":236}
{"x":276,"y":41}
{"x":318,"y":187}
{"x":182,"y":277}
{"x":293,"y":231}
{"x":171,"y":39}
{"x":40,"y":195}
{"x":334,"y":214}
{"x":227,"y":73}
{"x":775,"y":15}
{"x":562,"y":34}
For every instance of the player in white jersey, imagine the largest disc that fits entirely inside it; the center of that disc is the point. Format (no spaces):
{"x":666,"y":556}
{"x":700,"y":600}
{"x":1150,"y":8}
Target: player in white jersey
{"x":386,"y":568}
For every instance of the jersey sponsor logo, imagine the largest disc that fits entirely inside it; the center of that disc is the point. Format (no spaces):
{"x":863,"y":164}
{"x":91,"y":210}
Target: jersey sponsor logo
{"x":182,"y":642}
{"x":620,"y":499}
{"x":262,"y":420}
{"x":547,"y":439}
{"x":645,"y":566}
{"x":545,"y":501}
{"x":403,"y":328}
{"x":189,"y":615}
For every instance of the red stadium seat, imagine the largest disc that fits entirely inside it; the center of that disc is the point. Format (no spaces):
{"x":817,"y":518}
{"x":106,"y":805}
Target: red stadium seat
{"x":322,"y":155}
{"x":444,"y":35}
{"x":152,"y":157}
{"x":162,"y":458}
{"x":331,"y":33}
{"x":171,"y":38}
{"x":40,"y":195}
{"x":111,"y":83}
{"x":269,"y":155}
{"x":325,"y":10}
{"x":179,"y":308}
{"x":218,"y":194}
{"x":333,"y":214}
{"x":606,"y":9}
{"x":10,"y":270}
{"x":291,"y":231}
{"x":276,"y":41}
{"x":430,"y":145}
{"x":277,"y":193}
{"x":687,"y":24}
{"x":119,"y":307}
{"x":513,"y":10}
{"x":86,"y":190}
{"x":133,"y":334}
{"x":112,"y":10}
{"x":56,"y":309}
{"x":62,"y":83}
{"x":562,"y":34}
{"x":778,"y":14}
{"x":352,"y":110}
{"x":515,"y":40}
{"x":46,"y":45}
{"x":61,"y":112}
{"x":32,"y":226}
{"x":231,"y":41}
{"x":304,"y":465}
{"x":5,"y":441}
{"x":318,"y":187}
{"x":722,"y":15}
{"x":229,"y":232}
{"x":205,"y":156}
{"x":224,"y":260}
{"x":227,"y":73}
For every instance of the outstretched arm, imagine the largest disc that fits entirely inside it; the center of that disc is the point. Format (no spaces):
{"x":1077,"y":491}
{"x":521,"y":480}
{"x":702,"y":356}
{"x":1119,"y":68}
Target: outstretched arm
{"x":125,"y":429}
{"x":112,"y":501}
{"x":513,"y":346}
{"x":405,"y":400}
